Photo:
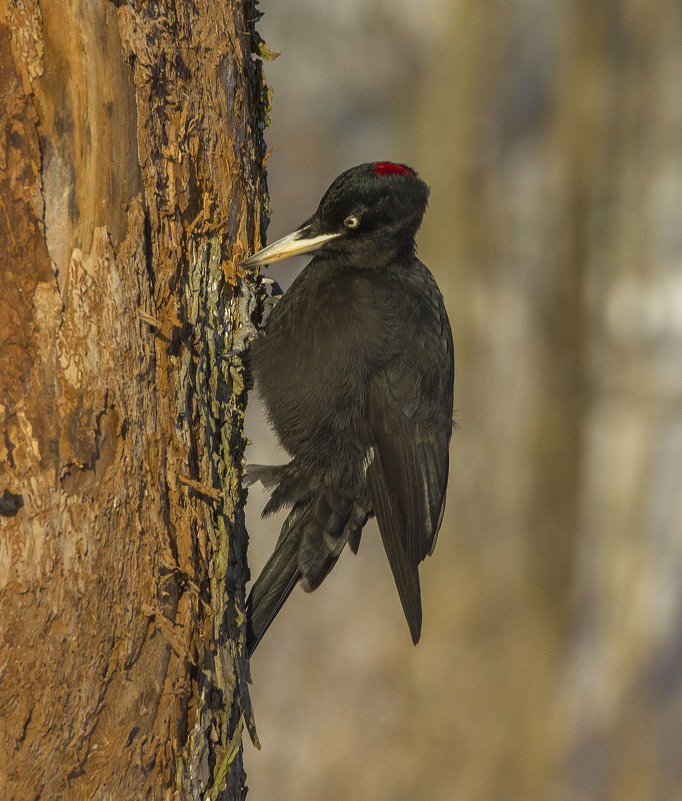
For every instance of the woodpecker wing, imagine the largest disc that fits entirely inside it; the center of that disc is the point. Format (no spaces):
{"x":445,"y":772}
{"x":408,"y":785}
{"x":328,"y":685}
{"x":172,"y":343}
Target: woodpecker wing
{"x":407,"y":475}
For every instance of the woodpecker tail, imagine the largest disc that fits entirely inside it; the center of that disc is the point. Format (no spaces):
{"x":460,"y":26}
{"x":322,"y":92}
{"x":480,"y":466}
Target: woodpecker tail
{"x":309,"y":544}
{"x":275,"y":583}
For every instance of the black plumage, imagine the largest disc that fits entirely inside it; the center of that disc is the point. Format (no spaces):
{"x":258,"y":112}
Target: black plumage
{"x":355,"y":367}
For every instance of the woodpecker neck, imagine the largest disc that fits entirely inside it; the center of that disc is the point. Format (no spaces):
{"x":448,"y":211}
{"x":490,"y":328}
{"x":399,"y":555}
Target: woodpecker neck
{"x":374,"y":252}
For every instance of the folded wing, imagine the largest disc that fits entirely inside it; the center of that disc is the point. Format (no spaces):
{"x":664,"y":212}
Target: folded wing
{"x":407,"y":438}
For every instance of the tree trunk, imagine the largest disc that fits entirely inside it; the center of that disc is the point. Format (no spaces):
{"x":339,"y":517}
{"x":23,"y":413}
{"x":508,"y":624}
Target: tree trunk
{"x":131,"y":184}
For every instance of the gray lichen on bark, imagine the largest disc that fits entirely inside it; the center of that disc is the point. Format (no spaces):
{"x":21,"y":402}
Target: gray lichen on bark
{"x":212,"y":374}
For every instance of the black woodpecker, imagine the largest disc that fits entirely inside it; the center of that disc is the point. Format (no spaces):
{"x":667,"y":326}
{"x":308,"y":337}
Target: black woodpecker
{"x":355,"y":367}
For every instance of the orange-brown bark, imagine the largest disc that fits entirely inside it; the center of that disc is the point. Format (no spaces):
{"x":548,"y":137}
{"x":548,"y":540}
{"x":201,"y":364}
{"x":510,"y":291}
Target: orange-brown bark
{"x":130,"y":186}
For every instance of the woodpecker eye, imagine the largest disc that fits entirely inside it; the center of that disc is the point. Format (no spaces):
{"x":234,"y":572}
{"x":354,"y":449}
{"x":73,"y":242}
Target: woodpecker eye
{"x":351,"y":222}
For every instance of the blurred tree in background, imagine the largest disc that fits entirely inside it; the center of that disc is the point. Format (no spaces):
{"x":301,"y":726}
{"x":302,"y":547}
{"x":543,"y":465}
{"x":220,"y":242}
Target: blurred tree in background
{"x":550,"y":665}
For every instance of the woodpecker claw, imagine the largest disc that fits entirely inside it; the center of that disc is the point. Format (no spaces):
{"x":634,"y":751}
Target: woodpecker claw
{"x":246,"y":329}
{"x":273,"y":297}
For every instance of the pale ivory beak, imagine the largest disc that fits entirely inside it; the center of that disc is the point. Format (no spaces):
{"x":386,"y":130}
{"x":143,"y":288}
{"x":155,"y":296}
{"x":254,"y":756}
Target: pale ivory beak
{"x":294,"y":244}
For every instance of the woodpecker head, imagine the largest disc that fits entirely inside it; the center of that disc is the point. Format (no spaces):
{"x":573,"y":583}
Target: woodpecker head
{"x":368,"y":216}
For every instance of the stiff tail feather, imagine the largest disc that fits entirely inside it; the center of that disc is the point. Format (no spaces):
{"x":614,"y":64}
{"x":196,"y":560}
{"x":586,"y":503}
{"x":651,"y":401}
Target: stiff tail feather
{"x":309,"y":544}
{"x":274,"y":584}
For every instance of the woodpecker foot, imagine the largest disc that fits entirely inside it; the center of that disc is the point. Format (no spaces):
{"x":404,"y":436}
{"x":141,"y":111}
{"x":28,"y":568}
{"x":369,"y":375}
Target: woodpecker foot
{"x":246,"y":329}
{"x":272,"y":297}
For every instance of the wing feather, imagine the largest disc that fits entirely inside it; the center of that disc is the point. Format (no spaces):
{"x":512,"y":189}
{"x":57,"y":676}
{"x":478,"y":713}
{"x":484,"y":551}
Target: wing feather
{"x":408,"y":476}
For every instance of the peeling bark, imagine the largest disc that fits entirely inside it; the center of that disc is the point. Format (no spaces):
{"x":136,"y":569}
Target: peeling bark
{"x":131,"y":184}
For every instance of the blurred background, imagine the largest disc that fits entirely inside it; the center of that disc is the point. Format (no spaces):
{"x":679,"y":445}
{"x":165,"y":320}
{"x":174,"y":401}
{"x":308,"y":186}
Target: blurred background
{"x":550,"y":665}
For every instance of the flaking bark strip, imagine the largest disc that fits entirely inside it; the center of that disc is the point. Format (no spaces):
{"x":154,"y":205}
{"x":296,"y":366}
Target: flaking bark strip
{"x":216,"y":736}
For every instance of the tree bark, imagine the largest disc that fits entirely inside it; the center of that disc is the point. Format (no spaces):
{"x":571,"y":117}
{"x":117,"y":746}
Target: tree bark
{"x":131,"y":185}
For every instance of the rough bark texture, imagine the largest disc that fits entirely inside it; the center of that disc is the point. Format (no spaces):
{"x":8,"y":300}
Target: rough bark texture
{"x":130,"y":186}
